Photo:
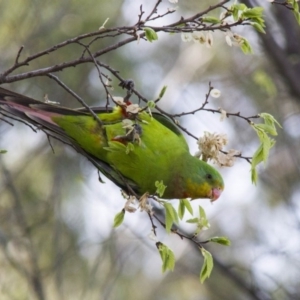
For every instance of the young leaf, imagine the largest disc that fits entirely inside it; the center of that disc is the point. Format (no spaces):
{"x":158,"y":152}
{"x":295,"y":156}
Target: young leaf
{"x":171,"y":216}
{"x":212,"y":20}
{"x":258,"y":27}
{"x":254,"y":175}
{"x":181,"y":209}
{"x":270,"y":120}
{"x":162,"y":92}
{"x":151,"y":35}
{"x":188,"y":205}
{"x":222,"y":240}
{"x":203,"y":222}
{"x":265,"y":82}
{"x":297,"y":16}
{"x":246,"y":47}
{"x":241,"y":6}
{"x":167,"y":257}
{"x":268,"y":128}
{"x":160,"y":188}
{"x":202,"y":213}
{"x":207,"y":266}
{"x":255,"y":12}
{"x":257,"y":156}
{"x":194,"y":220}
{"x":119,"y":218}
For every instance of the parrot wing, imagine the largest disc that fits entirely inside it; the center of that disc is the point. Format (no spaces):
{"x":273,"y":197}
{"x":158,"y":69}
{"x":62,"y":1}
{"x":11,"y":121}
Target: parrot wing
{"x":60,"y":123}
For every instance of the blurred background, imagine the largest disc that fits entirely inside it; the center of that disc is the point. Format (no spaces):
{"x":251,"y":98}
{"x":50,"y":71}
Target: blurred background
{"x":56,"y":235}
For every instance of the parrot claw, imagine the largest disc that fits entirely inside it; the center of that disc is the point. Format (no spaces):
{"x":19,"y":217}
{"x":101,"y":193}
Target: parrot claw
{"x":132,"y":135}
{"x":128,"y":85}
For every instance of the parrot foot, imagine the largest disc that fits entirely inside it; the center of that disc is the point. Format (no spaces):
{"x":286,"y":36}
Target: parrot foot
{"x":133,"y":134}
{"x":128,"y":85}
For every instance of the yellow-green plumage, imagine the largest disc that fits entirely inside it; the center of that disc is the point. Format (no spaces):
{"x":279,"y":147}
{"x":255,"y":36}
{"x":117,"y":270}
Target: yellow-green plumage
{"x":162,"y":153}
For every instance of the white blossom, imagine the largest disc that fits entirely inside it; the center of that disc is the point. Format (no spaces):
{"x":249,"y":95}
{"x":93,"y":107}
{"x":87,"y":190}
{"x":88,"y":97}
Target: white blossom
{"x":128,"y":207}
{"x":215,"y":93}
{"x":199,"y":37}
{"x":133,"y":108}
{"x":210,"y":147}
{"x":186,"y":37}
{"x":209,"y":39}
{"x":228,"y":40}
{"x":223,"y":114}
{"x":152,"y":236}
{"x":119,"y":101}
{"x":144,"y":205}
{"x":233,"y":39}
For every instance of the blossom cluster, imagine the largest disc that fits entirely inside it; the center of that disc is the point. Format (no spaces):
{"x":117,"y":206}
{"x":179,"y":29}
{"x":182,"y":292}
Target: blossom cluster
{"x":210,"y":147}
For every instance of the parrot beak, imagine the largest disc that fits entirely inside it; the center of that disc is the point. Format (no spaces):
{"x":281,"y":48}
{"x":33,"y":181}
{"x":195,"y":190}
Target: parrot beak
{"x":215,"y":193}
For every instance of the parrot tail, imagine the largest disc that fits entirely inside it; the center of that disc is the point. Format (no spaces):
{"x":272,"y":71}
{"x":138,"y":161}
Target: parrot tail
{"x":39,"y":114}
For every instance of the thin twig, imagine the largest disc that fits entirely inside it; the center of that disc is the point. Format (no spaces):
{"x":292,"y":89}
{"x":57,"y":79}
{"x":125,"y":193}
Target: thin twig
{"x":80,"y":100}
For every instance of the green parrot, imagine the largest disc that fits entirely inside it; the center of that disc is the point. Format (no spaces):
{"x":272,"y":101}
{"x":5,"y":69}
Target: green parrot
{"x":134,"y":150}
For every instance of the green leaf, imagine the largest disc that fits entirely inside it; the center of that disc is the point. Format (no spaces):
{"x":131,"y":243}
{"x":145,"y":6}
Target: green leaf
{"x":203,"y":222}
{"x":295,"y":5}
{"x":257,"y":156}
{"x":267,"y":143}
{"x":246,"y":47}
{"x":181,"y":209}
{"x":202,"y":213}
{"x":151,"y":35}
{"x":241,"y":6}
{"x":212,"y":20}
{"x":194,"y":220}
{"x":168,"y":217}
{"x":3,"y":151}
{"x":236,"y":10}
{"x":258,"y":27}
{"x":167,"y":257}
{"x":265,"y":82}
{"x":119,"y":218}
{"x":235,"y":13}
{"x":160,"y":188}
{"x":184,"y":204}
{"x":255,"y":12}
{"x":222,"y":240}
{"x":188,"y":205}
{"x":267,"y":128}
{"x":263,"y":131}
{"x":254,"y":175}
{"x":207,"y":266}
{"x":171,"y":216}
{"x":162,"y":92}
{"x":255,"y":15}
{"x":270,"y":120}
{"x":175,"y":215}
{"x":297,"y":16}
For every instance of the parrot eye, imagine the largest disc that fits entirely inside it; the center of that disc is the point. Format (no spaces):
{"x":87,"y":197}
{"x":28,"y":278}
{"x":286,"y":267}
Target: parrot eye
{"x":208,"y":176}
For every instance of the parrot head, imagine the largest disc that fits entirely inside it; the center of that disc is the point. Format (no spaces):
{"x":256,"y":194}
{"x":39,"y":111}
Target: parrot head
{"x":206,"y":182}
